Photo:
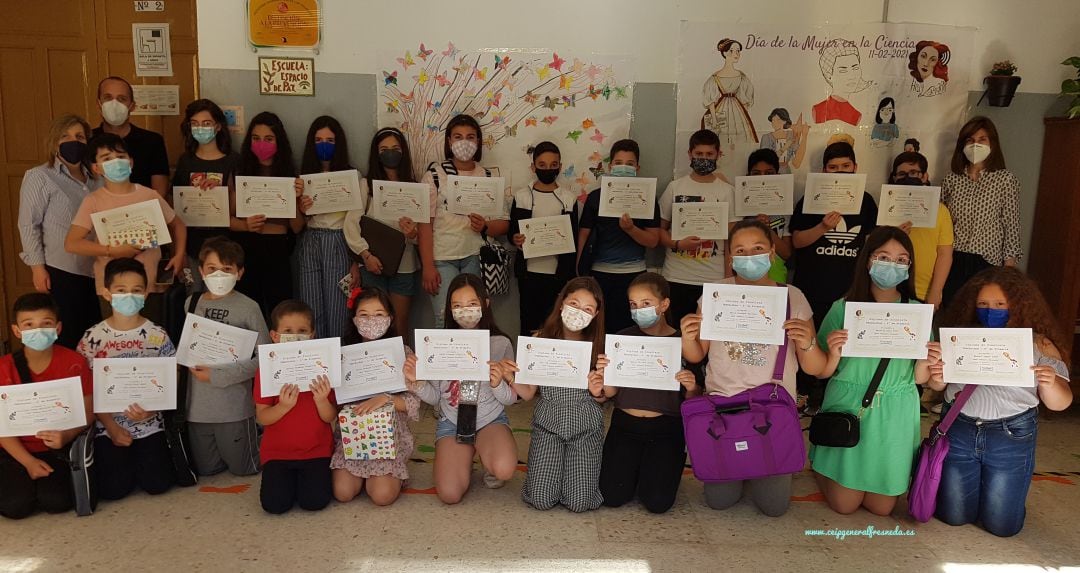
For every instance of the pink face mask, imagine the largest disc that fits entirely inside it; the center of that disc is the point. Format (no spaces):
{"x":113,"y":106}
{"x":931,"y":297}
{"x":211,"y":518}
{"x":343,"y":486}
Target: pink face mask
{"x":264,"y":150}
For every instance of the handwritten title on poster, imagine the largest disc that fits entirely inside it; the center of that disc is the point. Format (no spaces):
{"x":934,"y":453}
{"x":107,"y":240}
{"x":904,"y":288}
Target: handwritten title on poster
{"x":287,"y":76}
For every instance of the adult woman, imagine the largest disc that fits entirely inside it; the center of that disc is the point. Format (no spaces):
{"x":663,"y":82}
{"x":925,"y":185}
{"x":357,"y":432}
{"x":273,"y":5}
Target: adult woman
{"x":48,"y":199}
{"x":787,"y":140}
{"x":728,"y":95}
{"x":929,"y":66}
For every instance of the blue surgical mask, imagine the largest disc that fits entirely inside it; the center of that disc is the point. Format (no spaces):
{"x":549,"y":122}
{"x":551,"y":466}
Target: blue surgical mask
{"x":117,"y":170}
{"x":887,"y":275}
{"x":128,"y":304}
{"x":623,"y":171}
{"x":645,"y":316}
{"x":324,"y":150}
{"x":751,"y":267}
{"x":993,"y":317}
{"x":39,"y":338}
{"x":203,"y":134}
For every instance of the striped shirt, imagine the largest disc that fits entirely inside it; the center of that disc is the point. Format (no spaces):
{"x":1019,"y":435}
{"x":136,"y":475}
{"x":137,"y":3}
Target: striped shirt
{"x":997,"y":402}
{"x":986,"y":214}
{"x":48,"y":201}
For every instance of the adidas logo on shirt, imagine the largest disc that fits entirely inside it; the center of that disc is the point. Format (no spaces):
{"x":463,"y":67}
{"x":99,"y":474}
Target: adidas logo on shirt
{"x":840,"y":238}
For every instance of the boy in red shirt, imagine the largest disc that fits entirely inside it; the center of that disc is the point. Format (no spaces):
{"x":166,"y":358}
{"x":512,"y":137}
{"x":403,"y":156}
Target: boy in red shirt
{"x":297,"y":441}
{"x":34,"y":470}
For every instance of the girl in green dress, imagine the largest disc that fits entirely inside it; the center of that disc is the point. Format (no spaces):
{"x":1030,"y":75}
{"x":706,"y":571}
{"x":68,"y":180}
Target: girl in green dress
{"x":874,"y":473}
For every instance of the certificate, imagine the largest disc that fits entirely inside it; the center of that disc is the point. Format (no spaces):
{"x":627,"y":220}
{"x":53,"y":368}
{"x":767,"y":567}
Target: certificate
{"x":453,"y":354}
{"x":840,"y":192}
{"x":649,"y":362}
{"x":206,"y":342}
{"x":764,"y":195}
{"x":298,"y":363}
{"x":553,"y":362}
{"x":901,"y":203}
{"x":886,"y":330}
{"x":371,"y":368}
{"x":121,"y":382}
{"x":333,"y":192}
{"x":202,"y":207}
{"x":274,"y":197}
{"x":481,"y":195}
{"x":737,"y":313}
{"x":394,"y":200}
{"x":706,"y":220}
{"x":546,"y":236}
{"x":26,"y":409}
{"x":988,"y":356}
{"x":635,"y":196}
{"x":141,"y":225}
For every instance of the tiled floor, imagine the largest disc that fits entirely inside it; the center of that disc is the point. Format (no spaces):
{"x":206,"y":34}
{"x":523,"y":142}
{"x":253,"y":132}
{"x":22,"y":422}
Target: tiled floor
{"x":492,"y":530}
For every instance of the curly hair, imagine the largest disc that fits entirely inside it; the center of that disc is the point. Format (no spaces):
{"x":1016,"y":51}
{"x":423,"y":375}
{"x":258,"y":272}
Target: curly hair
{"x":941,"y":67}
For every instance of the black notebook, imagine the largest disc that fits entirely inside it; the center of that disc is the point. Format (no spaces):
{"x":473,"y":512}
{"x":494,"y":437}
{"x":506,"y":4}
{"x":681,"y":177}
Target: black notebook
{"x":385,"y":242}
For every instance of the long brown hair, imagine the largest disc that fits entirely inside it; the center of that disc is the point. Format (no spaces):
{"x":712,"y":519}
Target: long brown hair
{"x":553,"y":325}
{"x":487,"y":318}
{"x":1027,"y":307}
{"x":860,"y":283}
{"x":994,"y":161}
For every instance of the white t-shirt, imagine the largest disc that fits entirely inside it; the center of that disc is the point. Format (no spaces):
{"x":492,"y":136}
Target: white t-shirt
{"x":548,"y":204}
{"x":705,"y":264}
{"x":454,"y":237}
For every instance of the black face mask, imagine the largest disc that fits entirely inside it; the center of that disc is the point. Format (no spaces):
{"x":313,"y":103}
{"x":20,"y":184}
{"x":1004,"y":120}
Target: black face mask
{"x":547,"y":176}
{"x":906,"y":180}
{"x":73,"y":151}
{"x":390,"y":158}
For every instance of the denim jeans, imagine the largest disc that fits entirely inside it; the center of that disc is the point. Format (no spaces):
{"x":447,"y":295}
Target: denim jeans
{"x":987,"y":472}
{"x":447,"y":271}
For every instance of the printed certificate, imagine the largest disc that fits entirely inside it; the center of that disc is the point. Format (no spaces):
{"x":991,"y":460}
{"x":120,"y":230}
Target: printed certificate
{"x":635,"y":196}
{"x":706,"y":220}
{"x":141,"y":225}
{"x":887,"y":330}
{"x":988,"y":356}
{"x":202,"y":207}
{"x":121,"y":382}
{"x":205,"y":342}
{"x":334,"y":191}
{"x":299,"y":363}
{"x":737,"y":313}
{"x":552,"y":362}
{"x":840,"y":192}
{"x":455,"y":354}
{"x":649,"y":362}
{"x":394,"y":200}
{"x":274,"y":197}
{"x":901,"y":203}
{"x":546,"y":236}
{"x":481,"y":195}
{"x":371,"y":368}
{"x":26,"y":409}
{"x":764,"y":195}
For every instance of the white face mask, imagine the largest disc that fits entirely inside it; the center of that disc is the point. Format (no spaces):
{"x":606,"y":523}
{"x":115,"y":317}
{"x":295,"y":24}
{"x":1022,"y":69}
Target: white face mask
{"x":575,"y":319}
{"x":463,"y":149}
{"x":220,"y":283}
{"x":976,"y":152}
{"x":114,"y":113}
{"x":467,"y":317}
{"x":292,"y":337}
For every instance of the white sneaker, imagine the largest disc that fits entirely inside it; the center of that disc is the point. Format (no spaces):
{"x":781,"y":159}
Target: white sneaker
{"x":492,"y":482}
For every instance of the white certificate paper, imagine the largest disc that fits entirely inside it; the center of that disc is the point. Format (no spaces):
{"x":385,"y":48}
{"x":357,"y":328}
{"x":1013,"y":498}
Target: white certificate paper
{"x":121,"y":382}
{"x":901,"y":203}
{"x":840,"y":192}
{"x":707,"y":220}
{"x":546,"y":236}
{"x":552,"y":362}
{"x":481,"y":195}
{"x":649,"y":362}
{"x":455,"y":354}
{"x":736,"y":313}
{"x":274,"y":197}
{"x":141,"y":225}
{"x":205,"y":342}
{"x":635,"y":196}
{"x":887,"y":330}
{"x":298,"y":363}
{"x":394,"y":200}
{"x":371,"y":368}
{"x":988,"y":356}
{"x":26,"y":409}
{"x":764,"y":195}
{"x":202,"y":207}
{"x":333,"y":192}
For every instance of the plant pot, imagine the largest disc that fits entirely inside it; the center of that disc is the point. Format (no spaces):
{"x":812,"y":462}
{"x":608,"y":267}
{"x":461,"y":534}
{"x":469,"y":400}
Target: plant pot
{"x":1001,"y":89}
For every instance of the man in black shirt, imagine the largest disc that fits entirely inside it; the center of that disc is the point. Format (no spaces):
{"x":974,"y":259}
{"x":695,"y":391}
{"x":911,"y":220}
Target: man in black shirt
{"x":147,"y":148}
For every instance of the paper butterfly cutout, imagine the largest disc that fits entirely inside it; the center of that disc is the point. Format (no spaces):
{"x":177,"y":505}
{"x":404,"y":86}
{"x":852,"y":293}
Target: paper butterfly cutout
{"x":389,"y":78}
{"x":574,"y":135}
{"x":556,"y":62}
{"x":406,"y":61}
{"x":423,"y":53}
{"x":587,"y":123}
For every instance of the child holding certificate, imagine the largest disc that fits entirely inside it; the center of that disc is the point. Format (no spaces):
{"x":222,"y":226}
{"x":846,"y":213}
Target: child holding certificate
{"x":568,"y":423}
{"x":130,"y":448}
{"x":469,"y":307}
{"x":987,"y":472}
{"x":764,"y":161}
{"x":372,"y":317}
{"x":297,"y":441}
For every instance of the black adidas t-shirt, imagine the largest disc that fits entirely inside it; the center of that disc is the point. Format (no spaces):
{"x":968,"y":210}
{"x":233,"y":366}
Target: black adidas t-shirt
{"x":824,"y":270}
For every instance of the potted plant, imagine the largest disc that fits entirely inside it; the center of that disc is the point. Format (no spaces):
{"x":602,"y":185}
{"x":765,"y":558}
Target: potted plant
{"x":1001,"y":83}
{"x":1071,"y":87}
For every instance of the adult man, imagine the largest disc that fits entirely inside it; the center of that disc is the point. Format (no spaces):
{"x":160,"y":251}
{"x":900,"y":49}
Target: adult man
{"x":147,"y":148}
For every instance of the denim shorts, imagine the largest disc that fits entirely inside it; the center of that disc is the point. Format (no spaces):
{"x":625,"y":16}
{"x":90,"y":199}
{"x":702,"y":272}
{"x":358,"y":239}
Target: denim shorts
{"x":446,"y":428}
{"x":401,"y":283}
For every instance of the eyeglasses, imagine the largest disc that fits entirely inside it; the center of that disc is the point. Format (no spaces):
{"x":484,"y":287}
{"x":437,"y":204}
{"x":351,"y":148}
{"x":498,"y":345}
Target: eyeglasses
{"x":913,"y":173}
{"x":901,"y":260}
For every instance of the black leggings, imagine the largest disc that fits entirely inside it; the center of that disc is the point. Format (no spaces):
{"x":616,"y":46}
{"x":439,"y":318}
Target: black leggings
{"x":643,"y":457}
{"x":20,"y":495}
{"x":77,"y":298}
{"x":146,"y":463}
{"x":964,"y":266}
{"x":289,"y":482}
{"x":536,"y":293}
{"x":267,"y":269}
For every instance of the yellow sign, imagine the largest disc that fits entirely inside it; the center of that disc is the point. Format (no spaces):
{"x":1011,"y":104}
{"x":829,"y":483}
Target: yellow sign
{"x":284,"y":23}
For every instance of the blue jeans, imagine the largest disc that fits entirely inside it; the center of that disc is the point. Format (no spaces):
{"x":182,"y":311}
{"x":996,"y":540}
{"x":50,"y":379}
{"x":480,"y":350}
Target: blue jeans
{"x":447,"y":271}
{"x":987,"y":472}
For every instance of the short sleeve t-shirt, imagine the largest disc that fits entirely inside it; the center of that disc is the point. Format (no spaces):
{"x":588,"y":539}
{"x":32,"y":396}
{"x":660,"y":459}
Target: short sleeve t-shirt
{"x":454,"y":237}
{"x":706,"y":263}
{"x":925,"y":241}
{"x":544,"y":204}
{"x":666,"y":402}
{"x":147,"y":150}
{"x":191,"y":170}
{"x":299,"y":435}
{"x":614,"y":251}
{"x":65,"y":363}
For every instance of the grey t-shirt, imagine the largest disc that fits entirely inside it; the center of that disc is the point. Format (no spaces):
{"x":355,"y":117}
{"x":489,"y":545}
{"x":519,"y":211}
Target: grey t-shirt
{"x":491,"y":402}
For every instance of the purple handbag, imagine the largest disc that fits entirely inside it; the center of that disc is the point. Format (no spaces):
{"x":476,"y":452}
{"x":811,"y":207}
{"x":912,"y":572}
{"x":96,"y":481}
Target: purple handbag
{"x":922,"y":496}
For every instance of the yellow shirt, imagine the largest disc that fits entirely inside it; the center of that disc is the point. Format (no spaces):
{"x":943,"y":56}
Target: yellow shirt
{"x":926,"y":240}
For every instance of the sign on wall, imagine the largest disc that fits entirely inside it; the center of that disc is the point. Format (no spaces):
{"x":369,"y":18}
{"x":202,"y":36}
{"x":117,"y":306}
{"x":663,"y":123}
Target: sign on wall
{"x":284,"y":23}
{"x":156,"y":100}
{"x":153,"y":50}
{"x":287,"y":76}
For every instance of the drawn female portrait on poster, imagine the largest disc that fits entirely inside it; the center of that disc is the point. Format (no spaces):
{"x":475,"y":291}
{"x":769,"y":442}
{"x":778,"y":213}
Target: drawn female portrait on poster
{"x":786,"y":139}
{"x":929,"y":66}
{"x":885,"y":128}
{"x":841,"y":67}
{"x":728,"y":95}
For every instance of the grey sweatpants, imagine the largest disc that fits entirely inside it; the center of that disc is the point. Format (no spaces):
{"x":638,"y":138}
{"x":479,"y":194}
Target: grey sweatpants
{"x":216,"y":447}
{"x":771,"y":495}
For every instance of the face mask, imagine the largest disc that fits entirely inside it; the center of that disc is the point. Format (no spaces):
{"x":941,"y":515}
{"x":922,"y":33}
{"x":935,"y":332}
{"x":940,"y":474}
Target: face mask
{"x":117,"y":170}
{"x":702,"y":165}
{"x":39,"y":338}
{"x":390,"y":158}
{"x":372,"y":327}
{"x":292,"y":337}
{"x":644,"y":317}
{"x":993,"y":317}
{"x":575,"y":319}
{"x":906,"y":180}
{"x":547,"y":176}
{"x":976,"y":152}
{"x":467,"y":317}
{"x":324,"y":150}
{"x":463,"y":149}
{"x":264,"y":150}
{"x":128,"y":304}
{"x":887,"y":275}
{"x":72,"y":151}
{"x":114,"y":113}
{"x":751,"y":267}
{"x":623,"y":171}
{"x":220,"y":283}
{"x":203,"y":134}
